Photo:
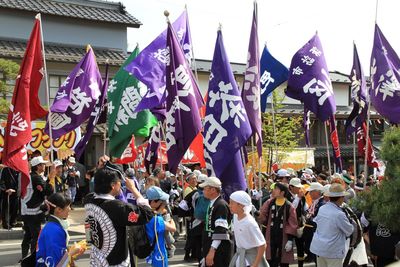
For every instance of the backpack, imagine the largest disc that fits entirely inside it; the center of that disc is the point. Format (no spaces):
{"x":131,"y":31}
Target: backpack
{"x":138,"y":241}
{"x":200,"y":210}
{"x":356,"y":236}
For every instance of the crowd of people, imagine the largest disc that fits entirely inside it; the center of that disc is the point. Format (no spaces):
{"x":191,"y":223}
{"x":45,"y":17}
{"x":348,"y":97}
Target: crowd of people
{"x":133,"y":214}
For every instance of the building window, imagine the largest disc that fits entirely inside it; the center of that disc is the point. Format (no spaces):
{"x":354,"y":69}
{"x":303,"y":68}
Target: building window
{"x":55,"y":82}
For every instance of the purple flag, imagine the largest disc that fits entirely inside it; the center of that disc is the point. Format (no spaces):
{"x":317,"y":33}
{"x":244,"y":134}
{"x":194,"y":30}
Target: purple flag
{"x":184,"y":100}
{"x":77,"y":97}
{"x":385,"y":78}
{"x":226,"y":125}
{"x":358,"y":96}
{"x":151,"y":154}
{"x":251,"y":85}
{"x":309,"y":80}
{"x":94,"y":118}
{"x":149,"y":65}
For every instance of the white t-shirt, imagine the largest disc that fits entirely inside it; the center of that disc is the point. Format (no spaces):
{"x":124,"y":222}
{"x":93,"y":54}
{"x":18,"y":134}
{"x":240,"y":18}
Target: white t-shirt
{"x":247,"y":233}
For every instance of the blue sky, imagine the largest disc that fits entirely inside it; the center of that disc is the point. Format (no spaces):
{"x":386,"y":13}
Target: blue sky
{"x":285,"y":25}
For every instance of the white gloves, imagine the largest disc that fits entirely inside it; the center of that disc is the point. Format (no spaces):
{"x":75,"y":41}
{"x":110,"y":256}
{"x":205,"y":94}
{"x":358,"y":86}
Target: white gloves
{"x":289,"y":246}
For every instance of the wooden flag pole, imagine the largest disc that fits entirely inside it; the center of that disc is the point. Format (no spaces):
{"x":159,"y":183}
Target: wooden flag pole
{"x":327,"y":149}
{"x":354,"y":155}
{"x":162,"y":136}
{"x":366,"y":141}
{"x":274,"y":127}
{"x":39,"y":17}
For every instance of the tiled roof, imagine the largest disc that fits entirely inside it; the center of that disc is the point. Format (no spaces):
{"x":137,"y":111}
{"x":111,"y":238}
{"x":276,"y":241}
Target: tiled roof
{"x":83,"y":9}
{"x":59,"y":53}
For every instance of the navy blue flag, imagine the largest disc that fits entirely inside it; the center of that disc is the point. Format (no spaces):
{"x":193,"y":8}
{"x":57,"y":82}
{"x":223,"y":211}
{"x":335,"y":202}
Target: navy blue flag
{"x":272,"y":74}
{"x":226,"y":124}
{"x":358,"y":95}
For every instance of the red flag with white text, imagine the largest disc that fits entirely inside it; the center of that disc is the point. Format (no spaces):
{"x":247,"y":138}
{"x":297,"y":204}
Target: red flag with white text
{"x":361,"y":132}
{"x":25,"y":107}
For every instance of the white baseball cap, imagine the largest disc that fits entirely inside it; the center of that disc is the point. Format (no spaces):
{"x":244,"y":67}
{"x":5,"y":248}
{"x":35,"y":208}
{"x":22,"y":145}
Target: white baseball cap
{"x":57,"y":163}
{"x":201,"y":178}
{"x":283,"y":173}
{"x":315,"y":187}
{"x":211,"y":181}
{"x":71,"y":159}
{"x":38,"y":160}
{"x":296,"y":182}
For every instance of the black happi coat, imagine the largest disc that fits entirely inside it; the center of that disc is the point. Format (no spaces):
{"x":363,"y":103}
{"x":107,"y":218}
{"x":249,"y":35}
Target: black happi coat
{"x":108,"y":219}
{"x":217,"y":224}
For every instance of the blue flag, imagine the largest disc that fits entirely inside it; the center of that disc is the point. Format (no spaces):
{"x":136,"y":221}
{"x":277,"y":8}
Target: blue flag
{"x":272,"y":74}
{"x":226,"y":125}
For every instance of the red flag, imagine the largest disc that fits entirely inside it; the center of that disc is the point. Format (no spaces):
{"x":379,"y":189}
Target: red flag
{"x":361,"y":133}
{"x":25,"y":107}
{"x":129,"y":154}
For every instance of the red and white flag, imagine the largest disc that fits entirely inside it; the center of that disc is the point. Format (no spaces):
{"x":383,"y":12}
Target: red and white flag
{"x":25,"y":107}
{"x":129,"y":155}
{"x":361,"y":133}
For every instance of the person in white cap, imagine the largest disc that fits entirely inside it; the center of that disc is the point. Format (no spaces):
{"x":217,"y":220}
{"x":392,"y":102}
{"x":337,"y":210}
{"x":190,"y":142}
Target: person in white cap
{"x":217,"y":246}
{"x":333,"y":227}
{"x":299,"y":203}
{"x":250,"y":242}
{"x":282,"y":176}
{"x":56,"y":177}
{"x":316,"y":191}
{"x":32,"y":215}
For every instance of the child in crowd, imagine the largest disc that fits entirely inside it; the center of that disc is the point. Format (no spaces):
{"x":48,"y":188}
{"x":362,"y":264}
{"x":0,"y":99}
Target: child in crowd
{"x":250,"y":243}
{"x":158,"y":225}
{"x":53,"y":239}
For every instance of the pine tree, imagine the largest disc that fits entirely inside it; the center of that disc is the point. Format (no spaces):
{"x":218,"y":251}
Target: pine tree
{"x":381,"y":204}
{"x":8,"y":72}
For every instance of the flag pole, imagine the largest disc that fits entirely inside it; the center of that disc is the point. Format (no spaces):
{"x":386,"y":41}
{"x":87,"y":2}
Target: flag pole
{"x":354,"y":155}
{"x":366,"y":141}
{"x":39,"y":17}
{"x":105,"y":129}
{"x":327,"y":149}
{"x":368,"y":118}
{"x":194,"y":59}
{"x":160,"y":149}
{"x":274,"y":126}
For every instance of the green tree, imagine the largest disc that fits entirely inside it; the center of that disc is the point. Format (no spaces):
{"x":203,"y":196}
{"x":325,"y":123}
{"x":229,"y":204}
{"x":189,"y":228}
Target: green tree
{"x":381,"y":204}
{"x":288,"y":128}
{"x":8,"y":73}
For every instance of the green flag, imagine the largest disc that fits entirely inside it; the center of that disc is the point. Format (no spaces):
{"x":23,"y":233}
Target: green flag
{"x":123,"y":97}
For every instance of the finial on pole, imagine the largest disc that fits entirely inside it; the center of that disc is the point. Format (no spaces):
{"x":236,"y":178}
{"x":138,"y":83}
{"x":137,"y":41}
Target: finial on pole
{"x":166,"y":14}
{"x":88,"y":47}
{"x":220,"y":27}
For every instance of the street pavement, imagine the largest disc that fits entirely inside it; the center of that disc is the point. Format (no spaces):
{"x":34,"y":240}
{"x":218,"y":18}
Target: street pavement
{"x":10,"y":249}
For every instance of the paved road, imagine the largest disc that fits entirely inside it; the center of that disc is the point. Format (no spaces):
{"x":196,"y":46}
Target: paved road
{"x":10,"y":253}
